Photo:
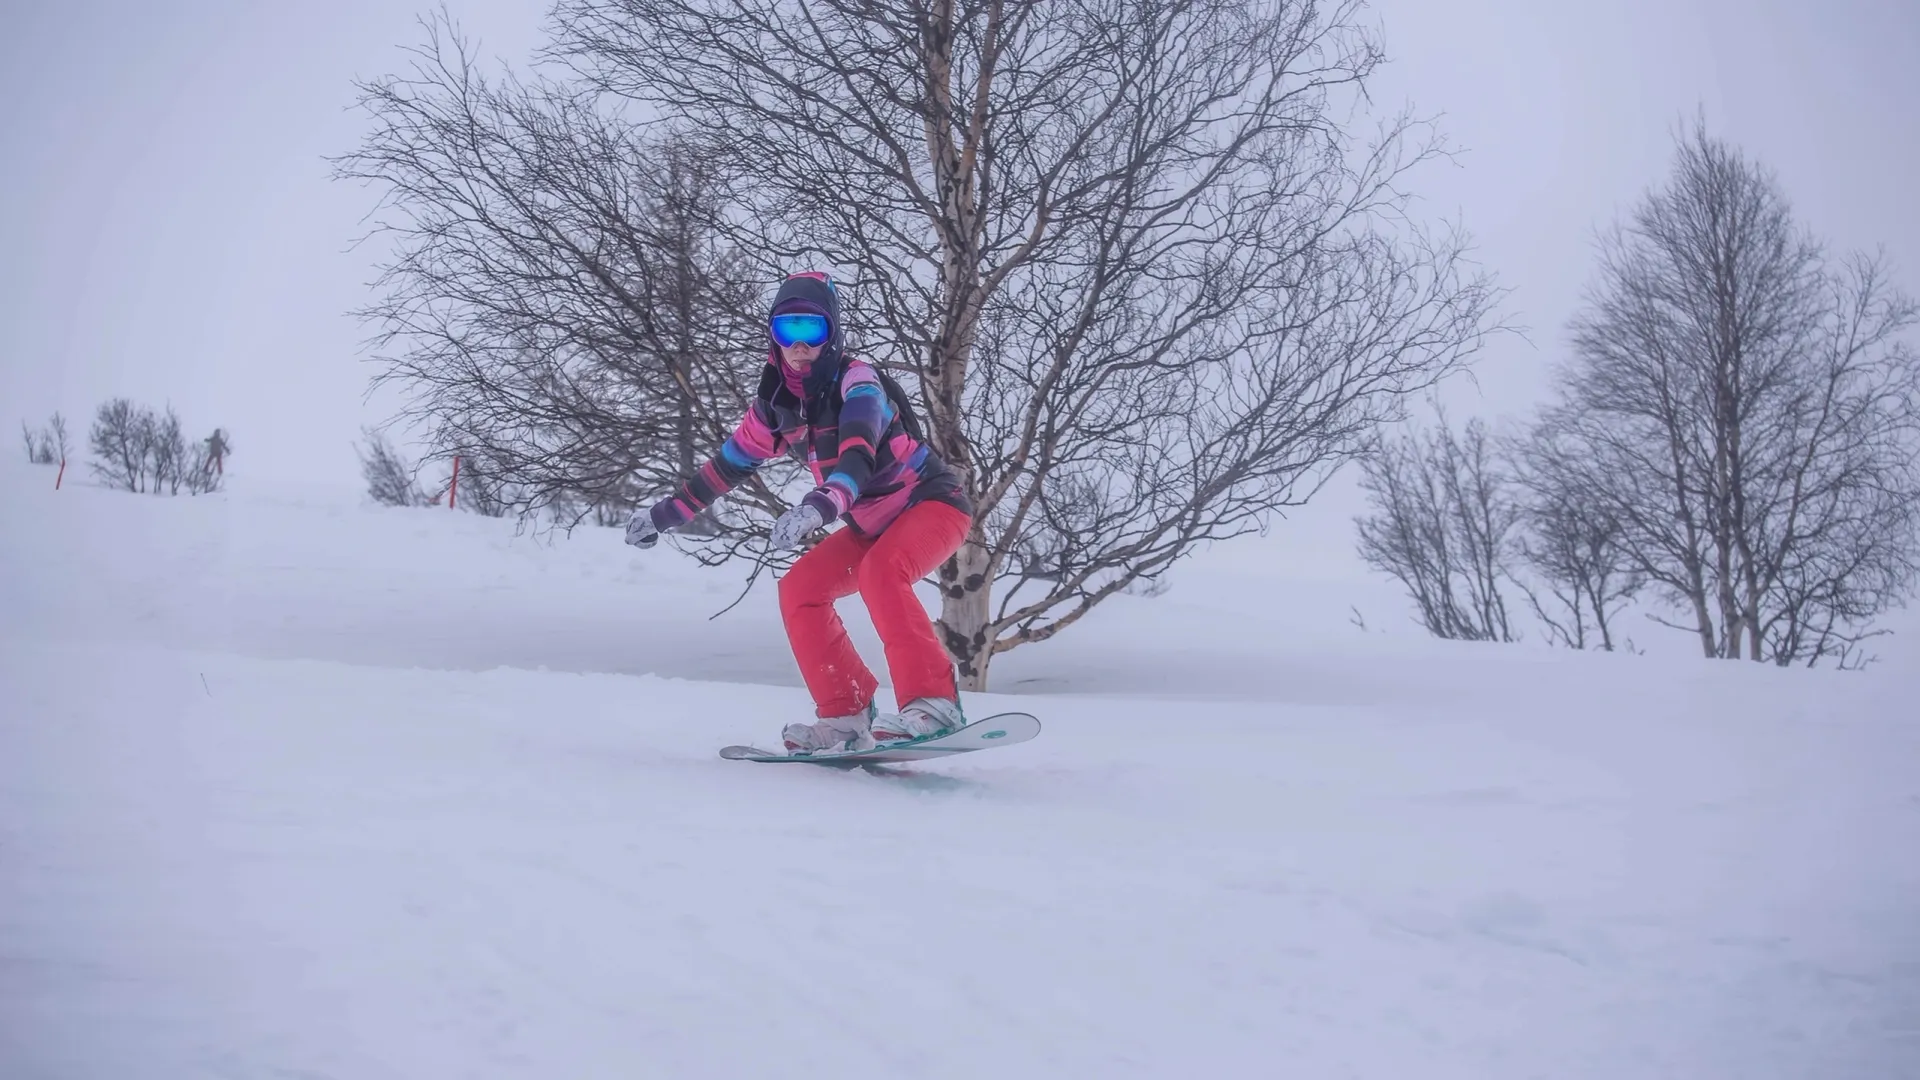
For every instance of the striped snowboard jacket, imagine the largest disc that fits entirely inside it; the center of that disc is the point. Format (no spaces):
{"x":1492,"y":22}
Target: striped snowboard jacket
{"x":867,"y":467}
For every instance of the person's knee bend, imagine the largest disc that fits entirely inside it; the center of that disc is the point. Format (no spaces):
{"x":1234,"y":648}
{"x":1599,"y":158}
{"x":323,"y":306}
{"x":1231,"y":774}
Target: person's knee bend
{"x":794,"y":593}
{"x":881,"y":574}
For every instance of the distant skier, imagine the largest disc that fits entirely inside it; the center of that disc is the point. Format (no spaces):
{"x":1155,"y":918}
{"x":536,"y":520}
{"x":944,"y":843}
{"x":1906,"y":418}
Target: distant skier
{"x":905,"y":514}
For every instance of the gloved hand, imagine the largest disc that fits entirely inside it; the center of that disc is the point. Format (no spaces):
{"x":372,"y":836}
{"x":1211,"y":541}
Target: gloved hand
{"x":793,"y":525}
{"x":640,"y":530}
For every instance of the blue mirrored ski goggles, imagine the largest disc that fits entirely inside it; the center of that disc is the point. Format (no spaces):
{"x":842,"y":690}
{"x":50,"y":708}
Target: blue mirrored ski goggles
{"x":800,"y":328}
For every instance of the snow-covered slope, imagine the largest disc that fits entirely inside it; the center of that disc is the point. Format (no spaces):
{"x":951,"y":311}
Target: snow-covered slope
{"x":291,"y":786}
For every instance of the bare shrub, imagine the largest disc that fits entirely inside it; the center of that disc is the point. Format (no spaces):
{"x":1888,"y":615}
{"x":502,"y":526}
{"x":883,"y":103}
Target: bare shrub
{"x":48,"y":445}
{"x":1443,"y":525}
{"x":391,"y":481}
{"x":119,"y":439}
{"x":136,"y":449}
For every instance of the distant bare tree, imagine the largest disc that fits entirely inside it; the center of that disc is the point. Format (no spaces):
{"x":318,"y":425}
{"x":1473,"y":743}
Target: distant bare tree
{"x":47,"y":446}
{"x":1573,"y":547}
{"x":1127,"y":253}
{"x":136,"y":449}
{"x":119,"y":440}
{"x":1443,"y":525}
{"x":390,"y":480}
{"x":167,"y":449}
{"x":558,"y":307}
{"x":1743,"y":409}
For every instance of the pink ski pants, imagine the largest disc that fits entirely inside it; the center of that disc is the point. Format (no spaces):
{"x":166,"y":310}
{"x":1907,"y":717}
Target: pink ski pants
{"x":882,"y":570}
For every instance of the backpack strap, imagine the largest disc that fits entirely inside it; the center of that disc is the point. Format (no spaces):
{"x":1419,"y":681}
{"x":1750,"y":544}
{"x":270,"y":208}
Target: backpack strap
{"x":901,"y":402}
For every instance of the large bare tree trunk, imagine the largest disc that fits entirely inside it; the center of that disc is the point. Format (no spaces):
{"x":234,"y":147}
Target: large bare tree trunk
{"x":964,"y":612}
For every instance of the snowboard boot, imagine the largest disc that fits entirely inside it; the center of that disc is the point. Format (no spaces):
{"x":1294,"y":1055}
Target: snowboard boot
{"x":852,"y":732}
{"x":921,"y":718}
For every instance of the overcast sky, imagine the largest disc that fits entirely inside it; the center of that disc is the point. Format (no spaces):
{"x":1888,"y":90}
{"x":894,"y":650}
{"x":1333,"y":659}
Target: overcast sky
{"x":168,"y":231}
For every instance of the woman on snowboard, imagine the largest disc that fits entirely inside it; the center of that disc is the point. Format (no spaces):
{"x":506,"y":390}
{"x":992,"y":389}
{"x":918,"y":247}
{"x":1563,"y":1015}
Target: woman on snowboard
{"x":905,"y":514}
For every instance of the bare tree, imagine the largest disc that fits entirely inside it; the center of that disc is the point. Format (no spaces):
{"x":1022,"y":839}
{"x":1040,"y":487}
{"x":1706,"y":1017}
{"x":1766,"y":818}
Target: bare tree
{"x":119,"y":439}
{"x":1443,"y":525}
{"x":556,"y":309}
{"x":136,"y":449}
{"x":1744,"y":409}
{"x":1573,"y":548}
{"x":486,"y":485}
{"x":47,"y":446}
{"x":1127,"y":251}
{"x":167,"y":449}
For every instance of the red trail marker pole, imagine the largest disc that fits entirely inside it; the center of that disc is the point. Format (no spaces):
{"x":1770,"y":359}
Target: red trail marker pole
{"x":453,"y":486}
{"x":61,"y":475}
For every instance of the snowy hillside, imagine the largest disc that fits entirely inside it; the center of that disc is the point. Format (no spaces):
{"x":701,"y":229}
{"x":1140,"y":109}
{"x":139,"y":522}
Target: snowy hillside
{"x":292,"y":786}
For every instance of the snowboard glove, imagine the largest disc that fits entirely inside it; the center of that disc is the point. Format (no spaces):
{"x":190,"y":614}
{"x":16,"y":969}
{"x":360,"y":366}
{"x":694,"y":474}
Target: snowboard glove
{"x":640,"y":530}
{"x":793,"y":525}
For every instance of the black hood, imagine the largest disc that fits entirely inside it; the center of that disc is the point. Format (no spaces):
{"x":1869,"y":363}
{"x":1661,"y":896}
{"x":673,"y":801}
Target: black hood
{"x":812,"y":291}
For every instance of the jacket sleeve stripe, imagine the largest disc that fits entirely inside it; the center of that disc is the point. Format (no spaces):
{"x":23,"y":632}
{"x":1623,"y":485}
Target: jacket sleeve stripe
{"x":751,"y":445}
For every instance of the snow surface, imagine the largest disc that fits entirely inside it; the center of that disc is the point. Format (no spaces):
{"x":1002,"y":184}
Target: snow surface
{"x":291,"y":786}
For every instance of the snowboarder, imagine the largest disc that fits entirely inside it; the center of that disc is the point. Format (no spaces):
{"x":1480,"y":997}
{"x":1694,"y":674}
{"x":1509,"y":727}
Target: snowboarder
{"x":904,"y":509}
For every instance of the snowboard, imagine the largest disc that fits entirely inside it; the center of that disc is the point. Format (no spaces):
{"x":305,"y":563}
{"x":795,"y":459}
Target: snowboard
{"x":1001,"y":729}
